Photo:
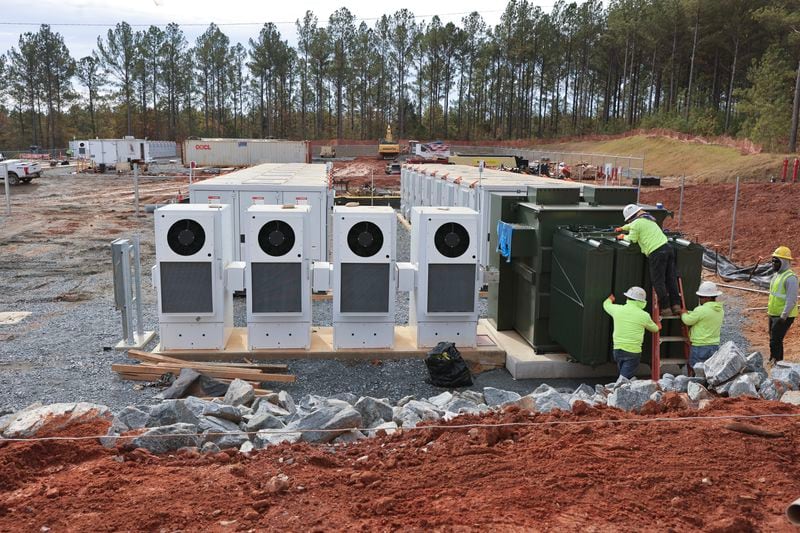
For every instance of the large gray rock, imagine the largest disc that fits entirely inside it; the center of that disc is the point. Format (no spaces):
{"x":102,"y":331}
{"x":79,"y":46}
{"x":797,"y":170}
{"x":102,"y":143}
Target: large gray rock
{"x":725,"y":364}
{"x":584,"y":390}
{"x":239,"y":392}
{"x":792,"y":397}
{"x":372,"y":410}
{"x":461,"y":405}
{"x":171,"y":412}
{"x":621,"y":380}
{"x":743,"y":386}
{"x":787,"y":375}
{"x":267,"y":407}
{"x":347,"y":397}
{"x":697,"y":392}
{"x":657,"y":396}
{"x":388,"y":427}
{"x":263,"y":421}
{"x":680,"y":383}
{"x":130,"y":418}
{"x":754,"y":362}
{"x":193,"y":404}
{"x":335,"y":420}
{"x":752,"y":377}
{"x":666,"y":384}
{"x":165,"y":439}
{"x":223,"y":433}
{"x":440,"y":400}
{"x":285,"y":400}
{"x":644,"y":385}
{"x":768,"y":391}
{"x":29,"y":421}
{"x":349,"y":437}
{"x":268,"y":437}
{"x":544,"y":388}
{"x":724,"y":388}
{"x":495,"y":397}
{"x":222,"y":410}
{"x":551,"y":400}
{"x":414,"y":412}
{"x":700,"y":370}
{"x":473,"y":396}
{"x":628,"y":399}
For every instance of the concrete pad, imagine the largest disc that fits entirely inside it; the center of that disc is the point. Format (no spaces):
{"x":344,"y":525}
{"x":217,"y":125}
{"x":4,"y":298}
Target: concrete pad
{"x":524,"y":363}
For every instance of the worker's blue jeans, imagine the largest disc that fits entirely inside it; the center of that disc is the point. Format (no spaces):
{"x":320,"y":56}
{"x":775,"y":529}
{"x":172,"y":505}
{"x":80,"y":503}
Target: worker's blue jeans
{"x":700,"y":354}
{"x":627,"y":362}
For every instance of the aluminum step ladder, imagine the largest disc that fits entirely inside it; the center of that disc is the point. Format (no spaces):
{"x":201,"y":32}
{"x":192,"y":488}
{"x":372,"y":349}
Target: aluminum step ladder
{"x":658,"y":339}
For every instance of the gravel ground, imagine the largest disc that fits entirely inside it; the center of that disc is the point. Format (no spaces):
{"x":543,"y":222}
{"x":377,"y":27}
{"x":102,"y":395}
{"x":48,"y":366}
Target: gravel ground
{"x":63,"y":350}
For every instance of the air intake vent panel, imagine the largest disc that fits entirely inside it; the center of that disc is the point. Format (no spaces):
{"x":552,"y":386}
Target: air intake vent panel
{"x":276,"y":238}
{"x":451,"y":239}
{"x":365,"y":239}
{"x":186,"y":237}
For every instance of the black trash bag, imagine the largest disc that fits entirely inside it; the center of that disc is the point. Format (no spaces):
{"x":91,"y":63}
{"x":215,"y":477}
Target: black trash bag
{"x":446,"y":366}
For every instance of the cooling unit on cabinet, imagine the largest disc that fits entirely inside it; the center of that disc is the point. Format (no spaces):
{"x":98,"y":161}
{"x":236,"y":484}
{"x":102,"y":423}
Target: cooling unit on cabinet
{"x":364,"y":276}
{"x":277,"y":277}
{"x":444,"y":250}
{"x":194,"y":276}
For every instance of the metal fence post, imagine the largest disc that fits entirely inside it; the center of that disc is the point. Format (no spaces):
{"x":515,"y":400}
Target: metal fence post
{"x":7,"y":189}
{"x":680,"y":203}
{"x":136,"y":187}
{"x":733,"y":222}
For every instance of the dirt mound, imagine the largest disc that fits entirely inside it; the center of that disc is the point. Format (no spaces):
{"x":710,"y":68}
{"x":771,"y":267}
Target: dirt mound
{"x":765,"y":216}
{"x":602,"y":468}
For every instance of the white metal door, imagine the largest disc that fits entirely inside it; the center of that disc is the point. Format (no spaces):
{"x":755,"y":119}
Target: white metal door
{"x":317,"y":225}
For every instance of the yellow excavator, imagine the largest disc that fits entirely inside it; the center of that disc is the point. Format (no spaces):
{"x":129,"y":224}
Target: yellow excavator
{"x":388,"y":148}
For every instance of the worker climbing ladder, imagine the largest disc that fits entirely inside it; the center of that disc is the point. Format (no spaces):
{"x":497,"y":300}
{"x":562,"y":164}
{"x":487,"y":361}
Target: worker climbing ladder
{"x":659,"y":339}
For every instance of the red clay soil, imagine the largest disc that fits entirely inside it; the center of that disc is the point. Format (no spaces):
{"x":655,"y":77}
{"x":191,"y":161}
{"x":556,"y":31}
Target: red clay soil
{"x":768,"y":215}
{"x":360,"y":172}
{"x":598,"y":476}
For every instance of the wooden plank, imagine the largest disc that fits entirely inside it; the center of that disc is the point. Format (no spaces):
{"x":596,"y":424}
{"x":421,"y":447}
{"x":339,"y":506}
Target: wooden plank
{"x":214,"y":373}
{"x":489,"y":354}
{"x":159,"y":358}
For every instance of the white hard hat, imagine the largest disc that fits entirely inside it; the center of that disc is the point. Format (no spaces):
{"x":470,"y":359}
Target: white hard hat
{"x":630,"y":210}
{"x":708,"y":289}
{"x":636,"y":293}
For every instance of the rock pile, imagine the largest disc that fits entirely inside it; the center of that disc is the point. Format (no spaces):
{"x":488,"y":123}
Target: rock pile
{"x":247,"y":422}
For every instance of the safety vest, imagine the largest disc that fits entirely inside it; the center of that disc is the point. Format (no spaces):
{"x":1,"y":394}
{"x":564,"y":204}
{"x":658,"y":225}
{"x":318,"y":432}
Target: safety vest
{"x":777,"y":295}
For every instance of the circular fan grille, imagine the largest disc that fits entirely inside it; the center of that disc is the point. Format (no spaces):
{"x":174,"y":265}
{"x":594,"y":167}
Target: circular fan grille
{"x":365,"y":239}
{"x":276,"y":238}
{"x":186,"y":237}
{"x":451,"y":239}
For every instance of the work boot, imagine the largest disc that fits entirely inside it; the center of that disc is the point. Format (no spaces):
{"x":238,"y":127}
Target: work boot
{"x":666,"y":312}
{"x":676,"y":309}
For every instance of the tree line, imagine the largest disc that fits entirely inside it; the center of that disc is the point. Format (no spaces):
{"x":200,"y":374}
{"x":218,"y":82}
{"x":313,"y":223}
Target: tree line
{"x":702,"y":66}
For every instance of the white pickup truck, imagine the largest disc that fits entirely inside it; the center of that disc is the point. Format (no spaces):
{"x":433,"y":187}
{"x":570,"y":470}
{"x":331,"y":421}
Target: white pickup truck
{"x":20,"y":171}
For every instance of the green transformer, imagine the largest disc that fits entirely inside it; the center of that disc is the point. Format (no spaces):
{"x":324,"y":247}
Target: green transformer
{"x":563,"y":254}
{"x":581,"y":279}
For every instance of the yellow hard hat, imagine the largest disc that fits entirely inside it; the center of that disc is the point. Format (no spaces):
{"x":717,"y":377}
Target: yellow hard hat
{"x":783,"y":252}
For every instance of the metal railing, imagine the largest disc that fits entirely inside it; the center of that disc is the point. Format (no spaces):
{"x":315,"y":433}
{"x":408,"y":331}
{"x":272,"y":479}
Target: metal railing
{"x":128,"y":293}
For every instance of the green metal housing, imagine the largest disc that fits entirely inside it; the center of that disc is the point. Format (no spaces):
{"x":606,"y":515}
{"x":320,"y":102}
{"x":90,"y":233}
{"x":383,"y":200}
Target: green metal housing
{"x":598,"y":195}
{"x":581,"y":279}
{"x":520,"y":299}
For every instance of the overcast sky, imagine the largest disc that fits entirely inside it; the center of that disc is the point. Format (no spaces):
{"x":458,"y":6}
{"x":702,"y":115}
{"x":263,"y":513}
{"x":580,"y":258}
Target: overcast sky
{"x":82,"y":39}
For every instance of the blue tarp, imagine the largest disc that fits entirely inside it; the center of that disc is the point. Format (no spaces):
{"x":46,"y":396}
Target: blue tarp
{"x":504,"y":231}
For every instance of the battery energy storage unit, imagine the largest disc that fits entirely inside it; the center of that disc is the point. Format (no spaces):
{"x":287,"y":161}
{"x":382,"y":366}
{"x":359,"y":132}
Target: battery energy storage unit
{"x":364,"y":276}
{"x":277,"y":277}
{"x":444,"y":248}
{"x":194,"y":276}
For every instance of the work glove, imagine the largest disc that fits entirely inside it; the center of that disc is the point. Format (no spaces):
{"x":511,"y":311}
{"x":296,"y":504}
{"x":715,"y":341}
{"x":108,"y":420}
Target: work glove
{"x":612,"y":298}
{"x":621,"y":237}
